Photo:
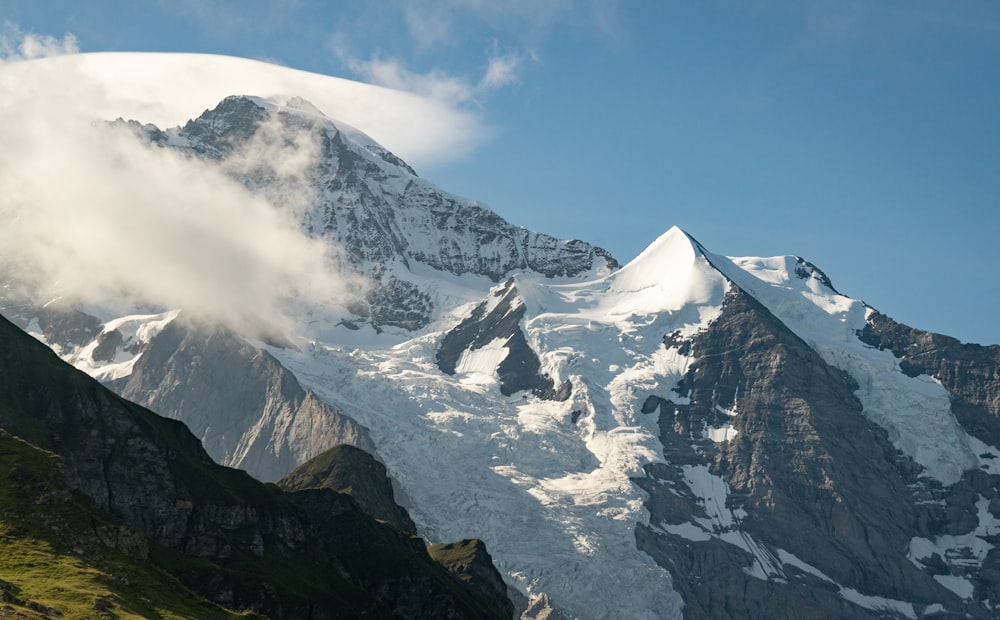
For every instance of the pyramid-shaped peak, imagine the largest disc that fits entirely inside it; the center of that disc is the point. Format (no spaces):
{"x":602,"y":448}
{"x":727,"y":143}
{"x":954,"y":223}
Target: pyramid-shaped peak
{"x":667,"y":258}
{"x":671,"y":272}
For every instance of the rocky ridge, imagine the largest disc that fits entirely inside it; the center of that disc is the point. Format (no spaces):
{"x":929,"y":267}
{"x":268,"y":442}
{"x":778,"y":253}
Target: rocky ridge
{"x":374,"y":209}
{"x":347,"y":469}
{"x":227,"y":537}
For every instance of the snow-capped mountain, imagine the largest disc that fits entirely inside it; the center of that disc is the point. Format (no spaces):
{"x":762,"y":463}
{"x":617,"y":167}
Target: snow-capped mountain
{"x":373,"y":209}
{"x":689,"y":435}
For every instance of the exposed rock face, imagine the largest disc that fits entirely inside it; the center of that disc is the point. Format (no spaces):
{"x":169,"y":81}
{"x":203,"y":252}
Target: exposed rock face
{"x":248,"y":410}
{"x":801,"y":472}
{"x":227,"y":537}
{"x":540,"y":608}
{"x":971,"y":372}
{"x":375,"y":208}
{"x":347,"y":469}
{"x":497,"y":322}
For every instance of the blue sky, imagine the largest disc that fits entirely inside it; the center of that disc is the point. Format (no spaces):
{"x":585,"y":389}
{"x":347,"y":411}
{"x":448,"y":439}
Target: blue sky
{"x":863,"y":136}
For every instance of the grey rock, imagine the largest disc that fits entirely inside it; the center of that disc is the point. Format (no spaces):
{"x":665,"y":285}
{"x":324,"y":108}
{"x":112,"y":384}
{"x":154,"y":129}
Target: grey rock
{"x":970,"y":372}
{"x":520,"y":369}
{"x":470,"y":563}
{"x":813,"y":475}
{"x":247,"y":409}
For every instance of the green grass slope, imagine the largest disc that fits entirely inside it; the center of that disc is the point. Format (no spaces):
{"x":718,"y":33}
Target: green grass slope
{"x":61,"y":558}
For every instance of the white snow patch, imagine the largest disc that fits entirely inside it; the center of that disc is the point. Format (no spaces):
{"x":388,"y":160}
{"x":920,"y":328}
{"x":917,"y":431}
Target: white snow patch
{"x":963,"y":552}
{"x":722,"y":522}
{"x":791,"y":559}
{"x":989,"y":457}
{"x":677,"y":399}
{"x":689,"y":531}
{"x":483,"y":360}
{"x":136,"y":330}
{"x":875,"y":603}
{"x":729,"y":412}
{"x":959,"y":585}
{"x":720,"y":434}
{"x":878,"y":603}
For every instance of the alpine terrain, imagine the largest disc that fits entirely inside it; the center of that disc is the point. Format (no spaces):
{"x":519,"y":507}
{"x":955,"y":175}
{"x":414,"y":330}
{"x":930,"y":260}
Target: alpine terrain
{"x":688,"y":435}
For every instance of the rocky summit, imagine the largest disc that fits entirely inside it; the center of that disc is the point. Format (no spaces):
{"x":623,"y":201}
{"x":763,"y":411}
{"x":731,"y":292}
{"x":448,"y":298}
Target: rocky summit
{"x":688,"y":435}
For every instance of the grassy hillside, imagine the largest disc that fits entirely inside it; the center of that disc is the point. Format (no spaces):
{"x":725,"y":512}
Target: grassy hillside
{"x":60,"y":558}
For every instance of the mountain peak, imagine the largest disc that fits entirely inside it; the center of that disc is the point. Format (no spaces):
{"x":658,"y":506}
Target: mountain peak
{"x":670,"y":272}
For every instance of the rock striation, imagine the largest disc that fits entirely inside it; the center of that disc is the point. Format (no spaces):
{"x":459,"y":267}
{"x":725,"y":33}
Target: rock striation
{"x":804,"y":475}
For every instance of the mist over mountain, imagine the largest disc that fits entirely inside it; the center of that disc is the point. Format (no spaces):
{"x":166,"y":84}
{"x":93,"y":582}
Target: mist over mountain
{"x":689,"y":435}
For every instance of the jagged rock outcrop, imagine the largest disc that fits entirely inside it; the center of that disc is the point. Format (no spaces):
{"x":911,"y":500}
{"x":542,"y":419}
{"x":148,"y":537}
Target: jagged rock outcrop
{"x":227,"y":537}
{"x":349,"y":470}
{"x":58,"y":547}
{"x":247,"y":409}
{"x":470,"y":562}
{"x":971,"y":374}
{"x":59,"y":323}
{"x":497,"y":322}
{"x":968,"y":371}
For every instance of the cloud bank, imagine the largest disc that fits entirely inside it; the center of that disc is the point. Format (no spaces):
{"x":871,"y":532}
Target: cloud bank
{"x":170,"y":89}
{"x":90,"y":213}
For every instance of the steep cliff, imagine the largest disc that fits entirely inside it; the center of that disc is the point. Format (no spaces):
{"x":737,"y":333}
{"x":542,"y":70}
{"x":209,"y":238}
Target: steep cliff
{"x":248,"y":411}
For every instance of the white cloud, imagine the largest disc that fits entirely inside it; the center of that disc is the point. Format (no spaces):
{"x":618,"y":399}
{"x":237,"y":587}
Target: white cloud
{"x":501,"y":71}
{"x":91,"y":213}
{"x":18,"y":45}
{"x":170,"y":89}
{"x":435,"y":84}
{"x":439,"y":34}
